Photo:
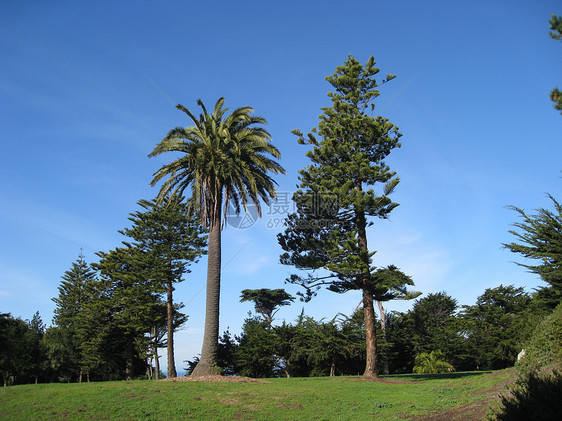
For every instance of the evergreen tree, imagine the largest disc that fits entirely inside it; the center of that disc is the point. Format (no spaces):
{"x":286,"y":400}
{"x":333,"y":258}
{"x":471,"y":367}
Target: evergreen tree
{"x":433,"y":323}
{"x":171,"y":238}
{"x":129,"y":303}
{"x":36,"y":348}
{"x":495,"y":328}
{"x":63,"y":343}
{"x":337,"y":200}
{"x":13,"y":348}
{"x":540,"y":238}
{"x":267,"y":301}
{"x":255,"y":354}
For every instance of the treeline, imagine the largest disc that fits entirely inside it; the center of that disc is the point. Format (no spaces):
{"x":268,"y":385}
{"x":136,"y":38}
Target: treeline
{"x":90,"y":342}
{"x":111,"y":316}
{"x":435,"y":335}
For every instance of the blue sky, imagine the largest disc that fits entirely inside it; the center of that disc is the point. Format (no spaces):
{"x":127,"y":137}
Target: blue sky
{"x":87,"y":89}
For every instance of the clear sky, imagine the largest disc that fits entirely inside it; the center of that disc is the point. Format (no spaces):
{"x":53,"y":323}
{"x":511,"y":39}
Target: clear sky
{"x":87,"y":89}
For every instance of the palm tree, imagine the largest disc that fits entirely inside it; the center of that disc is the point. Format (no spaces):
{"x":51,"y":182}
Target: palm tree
{"x":431,"y":363}
{"x":224,"y":158}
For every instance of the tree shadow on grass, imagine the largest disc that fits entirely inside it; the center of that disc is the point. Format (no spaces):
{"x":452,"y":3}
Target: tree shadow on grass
{"x":440,"y":376}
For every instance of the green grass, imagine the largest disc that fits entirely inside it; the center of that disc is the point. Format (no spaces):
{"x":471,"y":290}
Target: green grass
{"x":341,"y":398}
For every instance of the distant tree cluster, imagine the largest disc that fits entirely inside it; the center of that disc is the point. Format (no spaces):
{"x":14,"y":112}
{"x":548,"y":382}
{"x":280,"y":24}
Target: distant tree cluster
{"x":436,"y":335}
{"x":111,"y":316}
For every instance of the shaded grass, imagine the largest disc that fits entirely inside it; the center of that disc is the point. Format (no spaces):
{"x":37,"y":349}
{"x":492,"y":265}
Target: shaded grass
{"x":341,"y":398}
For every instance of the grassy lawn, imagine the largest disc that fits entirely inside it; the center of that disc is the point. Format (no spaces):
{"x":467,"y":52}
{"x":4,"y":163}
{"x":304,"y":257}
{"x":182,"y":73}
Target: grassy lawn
{"x":447,"y":396}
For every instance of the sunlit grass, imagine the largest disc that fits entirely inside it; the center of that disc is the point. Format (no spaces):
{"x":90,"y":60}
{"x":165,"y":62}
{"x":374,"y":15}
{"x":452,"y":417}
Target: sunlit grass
{"x":341,"y":398}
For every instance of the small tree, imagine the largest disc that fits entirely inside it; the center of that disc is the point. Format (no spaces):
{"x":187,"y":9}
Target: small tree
{"x":431,"y":363}
{"x":267,"y":301}
{"x":255,"y":354}
{"x":130,"y":301}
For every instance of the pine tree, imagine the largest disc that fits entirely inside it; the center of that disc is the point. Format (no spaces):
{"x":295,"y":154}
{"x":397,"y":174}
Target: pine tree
{"x":128,"y":303}
{"x":74,"y":294}
{"x":173,"y":238}
{"x":338,"y":200}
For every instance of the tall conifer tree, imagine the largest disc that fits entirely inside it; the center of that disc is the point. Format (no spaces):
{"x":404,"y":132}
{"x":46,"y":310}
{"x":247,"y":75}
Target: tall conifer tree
{"x":172,"y":237}
{"x":74,"y":294}
{"x":337,"y":199}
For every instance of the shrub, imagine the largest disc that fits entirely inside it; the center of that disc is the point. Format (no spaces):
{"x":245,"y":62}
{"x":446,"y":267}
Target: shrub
{"x":536,"y":394}
{"x":431,"y":363}
{"x":534,"y":397}
{"x":543,"y":353}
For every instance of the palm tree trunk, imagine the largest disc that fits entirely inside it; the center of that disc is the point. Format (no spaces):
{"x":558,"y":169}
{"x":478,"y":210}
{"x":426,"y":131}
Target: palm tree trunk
{"x":207,"y":365}
{"x":171,"y":363}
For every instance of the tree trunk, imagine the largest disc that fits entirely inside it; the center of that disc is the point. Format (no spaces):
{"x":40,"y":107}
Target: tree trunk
{"x":207,"y":364}
{"x":368,"y":308}
{"x":385,"y":367}
{"x":171,"y":363}
{"x":129,"y":370}
{"x":333,"y":368}
{"x":156,"y":364}
{"x":288,"y":369}
{"x":370,"y":335}
{"x":154,"y":333}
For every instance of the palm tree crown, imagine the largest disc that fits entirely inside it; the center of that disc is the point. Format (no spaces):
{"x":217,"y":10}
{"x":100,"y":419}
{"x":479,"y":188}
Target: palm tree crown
{"x":225,"y":158}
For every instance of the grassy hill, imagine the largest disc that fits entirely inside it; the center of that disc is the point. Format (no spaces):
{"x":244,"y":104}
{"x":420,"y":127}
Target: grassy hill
{"x":435,"y":397}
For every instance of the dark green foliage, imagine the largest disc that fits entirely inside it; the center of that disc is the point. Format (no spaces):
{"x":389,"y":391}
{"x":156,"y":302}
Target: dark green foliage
{"x":536,"y":394}
{"x":400,"y":332}
{"x":267,"y":301}
{"x":556,"y":33}
{"x":64,"y":339}
{"x":23,"y":357}
{"x":539,"y":237}
{"x":533,"y":398}
{"x":170,"y":234}
{"x":433,"y":318}
{"x":255,"y":354}
{"x":128,"y":304}
{"x":290,"y":361}
{"x":495,"y":328}
{"x":543,"y":352}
